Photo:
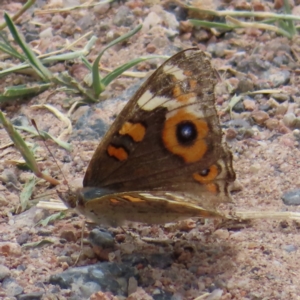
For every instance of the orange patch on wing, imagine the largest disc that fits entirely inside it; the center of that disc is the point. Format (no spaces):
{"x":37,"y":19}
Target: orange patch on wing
{"x":180,"y":96}
{"x":191,"y":153}
{"x":188,"y":73}
{"x":114,"y":201}
{"x":211,"y":187}
{"x":193,"y":84}
{"x":177,"y":91}
{"x":185,"y":97}
{"x":133,"y":199}
{"x":135,"y":130}
{"x":118,"y":153}
{"x":212,"y":174}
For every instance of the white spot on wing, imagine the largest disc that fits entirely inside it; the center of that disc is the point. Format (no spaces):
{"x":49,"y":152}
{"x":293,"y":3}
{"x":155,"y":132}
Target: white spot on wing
{"x":149,"y":102}
{"x":174,"y":70}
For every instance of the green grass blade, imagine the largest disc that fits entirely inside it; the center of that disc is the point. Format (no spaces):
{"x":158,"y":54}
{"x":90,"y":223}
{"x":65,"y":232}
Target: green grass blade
{"x":37,"y":244}
{"x":120,"y":70}
{"x":46,"y":136}
{"x":290,"y":23}
{"x":57,"y":216}
{"x":207,"y":24}
{"x":24,"y":150}
{"x":98,"y":86}
{"x":7,"y":48}
{"x":27,"y":192}
{"x":87,"y":63}
{"x":20,"y":145}
{"x":69,"y":82}
{"x":24,"y":90}
{"x":36,"y":64}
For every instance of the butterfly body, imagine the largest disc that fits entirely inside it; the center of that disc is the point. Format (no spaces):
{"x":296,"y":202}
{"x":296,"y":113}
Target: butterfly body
{"x":163,"y":159}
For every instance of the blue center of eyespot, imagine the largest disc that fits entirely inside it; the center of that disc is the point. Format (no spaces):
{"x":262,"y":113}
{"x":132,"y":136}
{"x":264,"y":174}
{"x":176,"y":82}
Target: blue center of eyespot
{"x":186,"y":133}
{"x":204,"y":172}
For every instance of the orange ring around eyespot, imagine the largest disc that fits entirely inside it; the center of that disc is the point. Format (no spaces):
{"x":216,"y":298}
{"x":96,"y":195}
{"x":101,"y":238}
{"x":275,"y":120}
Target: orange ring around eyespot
{"x":213,"y":173}
{"x":190,"y":153}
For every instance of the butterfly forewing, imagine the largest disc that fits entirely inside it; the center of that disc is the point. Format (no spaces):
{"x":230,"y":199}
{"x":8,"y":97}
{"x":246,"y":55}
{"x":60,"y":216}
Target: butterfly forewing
{"x":167,"y":139}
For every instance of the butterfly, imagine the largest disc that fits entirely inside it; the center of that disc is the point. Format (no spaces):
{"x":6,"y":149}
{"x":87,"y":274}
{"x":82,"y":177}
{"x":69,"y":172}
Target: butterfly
{"x":164,"y":158}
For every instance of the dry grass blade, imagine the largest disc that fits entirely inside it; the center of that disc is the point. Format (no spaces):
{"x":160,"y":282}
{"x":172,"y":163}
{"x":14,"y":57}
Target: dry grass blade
{"x":60,"y":116}
{"x":25,"y":7}
{"x":271,"y":215}
{"x":258,"y":26}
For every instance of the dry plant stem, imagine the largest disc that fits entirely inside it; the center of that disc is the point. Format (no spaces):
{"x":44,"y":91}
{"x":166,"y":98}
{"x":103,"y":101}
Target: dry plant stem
{"x":81,"y":243}
{"x":85,"y":5}
{"x":19,"y":13}
{"x":49,"y":179}
{"x":68,"y":47}
{"x":295,"y":53}
{"x":251,"y":14}
{"x":255,"y":215}
{"x":53,"y":205}
{"x":255,"y":25}
{"x":59,"y":116}
{"x":129,"y":74}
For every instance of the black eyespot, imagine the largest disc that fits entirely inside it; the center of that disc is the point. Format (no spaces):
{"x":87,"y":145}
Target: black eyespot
{"x":186,"y":133}
{"x":204,"y":172}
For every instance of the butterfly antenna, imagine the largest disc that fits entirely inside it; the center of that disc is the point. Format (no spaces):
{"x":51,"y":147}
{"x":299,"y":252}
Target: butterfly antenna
{"x":51,"y":154}
{"x":44,"y":195}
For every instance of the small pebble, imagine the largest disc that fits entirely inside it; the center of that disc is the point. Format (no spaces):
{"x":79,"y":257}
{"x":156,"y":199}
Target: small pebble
{"x":245,"y":85}
{"x":11,"y":287}
{"x":290,"y":248}
{"x":289,"y":120}
{"x":231,"y":133}
{"x":150,"y":48}
{"x":68,"y":235}
{"x":249,"y":104}
{"x":10,"y":249}
{"x":101,"y":238}
{"x":4,"y":272}
{"x":272,"y":124}
{"x":254,"y":168}
{"x":260,"y":116}
{"x":282,"y":109}
{"x":281,"y":97}
{"x":291,"y":197}
{"x":221,"y":234}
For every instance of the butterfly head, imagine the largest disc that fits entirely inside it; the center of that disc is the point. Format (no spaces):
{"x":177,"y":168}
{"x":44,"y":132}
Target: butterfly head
{"x":69,"y":197}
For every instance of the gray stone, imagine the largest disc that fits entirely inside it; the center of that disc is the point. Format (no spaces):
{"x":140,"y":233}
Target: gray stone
{"x":218,"y":49}
{"x":105,"y":276}
{"x":101,"y":238}
{"x":11,"y":287}
{"x":290,"y":248}
{"x":123,"y":17}
{"x":4,"y":272}
{"x":31,"y":296}
{"x":291,"y":197}
{"x":280,"y":77}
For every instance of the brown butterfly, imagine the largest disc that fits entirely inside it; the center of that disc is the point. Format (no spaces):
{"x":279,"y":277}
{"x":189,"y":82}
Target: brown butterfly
{"x":164,"y":158}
